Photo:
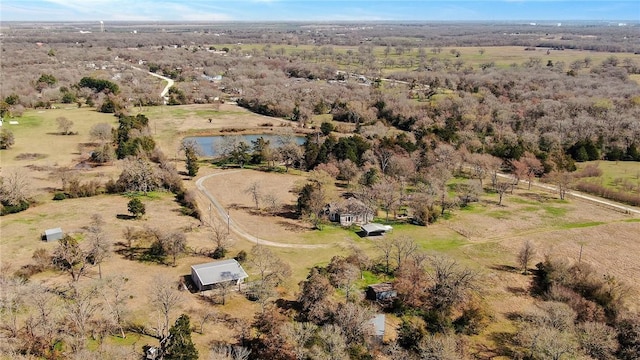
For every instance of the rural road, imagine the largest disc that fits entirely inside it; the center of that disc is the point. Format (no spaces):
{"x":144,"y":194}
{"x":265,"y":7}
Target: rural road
{"x":579,"y":195}
{"x":235,"y":226}
{"x":169,"y":81}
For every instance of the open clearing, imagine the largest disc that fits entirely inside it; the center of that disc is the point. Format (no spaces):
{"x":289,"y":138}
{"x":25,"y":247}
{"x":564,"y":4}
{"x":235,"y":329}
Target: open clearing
{"x":485,"y":236}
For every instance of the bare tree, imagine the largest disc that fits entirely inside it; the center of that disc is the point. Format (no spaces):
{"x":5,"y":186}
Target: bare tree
{"x":219,"y":235}
{"x":403,"y":248}
{"x":270,"y":267}
{"x":388,"y":194}
{"x":102,"y":132}
{"x":386,"y":247}
{"x":81,"y":305}
{"x":165,"y":298}
{"x":14,"y":188}
{"x":255,"y":192}
{"x":562,"y":180}
{"x":343,"y":274}
{"x":501,"y":188}
{"x":527,"y":252}
{"x":348,"y":170}
{"x":174,"y":244}
{"x":114,"y":300}
{"x":99,"y":245}
{"x":64,"y":125}
{"x":451,"y":284}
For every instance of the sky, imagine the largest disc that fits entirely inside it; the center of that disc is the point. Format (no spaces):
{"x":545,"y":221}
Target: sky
{"x":317,"y":10}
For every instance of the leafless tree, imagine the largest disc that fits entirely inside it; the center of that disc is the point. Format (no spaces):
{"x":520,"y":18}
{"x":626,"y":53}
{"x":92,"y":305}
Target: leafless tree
{"x":102,"y":132}
{"x":174,"y":244}
{"x":64,"y":125}
{"x":563,"y":181}
{"x":271,"y":268}
{"x":81,"y":305}
{"x":14,"y":188}
{"x":527,"y":252}
{"x":219,"y":234}
{"x":501,"y":188}
{"x":230,"y":353}
{"x":451,"y":284}
{"x":99,"y":244}
{"x":113,"y":293}
{"x":342,"y":274}
{"x":403,"y":248}
{"x":165,"y":297}
{"x":388,"y":195}
{"x":255,"y":191}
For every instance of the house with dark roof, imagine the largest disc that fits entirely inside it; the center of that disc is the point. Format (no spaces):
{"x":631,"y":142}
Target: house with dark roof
{"x":381,"y":292}
{"x":207,"y":276}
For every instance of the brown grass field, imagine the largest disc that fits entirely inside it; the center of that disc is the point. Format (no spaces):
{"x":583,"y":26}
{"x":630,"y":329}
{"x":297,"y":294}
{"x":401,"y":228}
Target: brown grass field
{"x":485,"y":237}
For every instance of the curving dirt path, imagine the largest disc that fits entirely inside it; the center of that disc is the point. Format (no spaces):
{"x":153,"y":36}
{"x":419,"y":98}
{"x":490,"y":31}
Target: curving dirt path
{"x":235,"y":227}
{"x":169,"y":81}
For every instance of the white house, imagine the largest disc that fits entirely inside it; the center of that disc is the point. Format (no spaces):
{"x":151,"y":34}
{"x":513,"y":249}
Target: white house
{"x":348,"y":212}
{"x":206,"y":276}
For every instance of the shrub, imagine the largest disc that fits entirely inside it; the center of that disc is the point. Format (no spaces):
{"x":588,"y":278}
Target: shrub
{"x":59,"y":196}
{"x":241,"y":257}
{"x":136,"y":207}
{"x":219,"y":253}
{"x":12,"y":209}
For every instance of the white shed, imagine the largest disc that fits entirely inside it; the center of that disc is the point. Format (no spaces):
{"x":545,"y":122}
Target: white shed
{"x":53,"y":234}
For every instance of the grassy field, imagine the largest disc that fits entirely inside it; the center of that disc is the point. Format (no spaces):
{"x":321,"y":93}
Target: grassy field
{"x":501,"y":56}
{"x":616,"y":173}
{"x":484,"y":236}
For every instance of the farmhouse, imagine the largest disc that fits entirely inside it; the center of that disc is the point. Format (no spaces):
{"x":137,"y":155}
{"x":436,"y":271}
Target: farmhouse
{"x":381,"y":292}
{"x":206,"y":276}
{"x":53,"y":234}
{"x":348,"y":212}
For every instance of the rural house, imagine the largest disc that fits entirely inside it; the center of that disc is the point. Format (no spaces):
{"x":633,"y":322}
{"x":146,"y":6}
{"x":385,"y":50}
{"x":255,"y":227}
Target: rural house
{"x":381,"y":292}
{"x":348,"y":212}
{"x":206,"y":276}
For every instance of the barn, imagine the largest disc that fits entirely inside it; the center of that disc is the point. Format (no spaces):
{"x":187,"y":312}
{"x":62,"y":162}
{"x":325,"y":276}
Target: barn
{"x":207,"y":276}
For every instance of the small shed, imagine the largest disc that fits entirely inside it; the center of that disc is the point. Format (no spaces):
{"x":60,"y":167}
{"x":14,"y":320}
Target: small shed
{"x":377,"y":323}
{"x":381,"y":292}
{"x":372,"y":229}
{"x":206,"y":276}
{"x":53,"y":234}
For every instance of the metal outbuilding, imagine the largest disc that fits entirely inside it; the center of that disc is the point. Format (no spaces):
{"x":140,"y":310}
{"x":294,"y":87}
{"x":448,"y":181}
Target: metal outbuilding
{"x":53,"y":234}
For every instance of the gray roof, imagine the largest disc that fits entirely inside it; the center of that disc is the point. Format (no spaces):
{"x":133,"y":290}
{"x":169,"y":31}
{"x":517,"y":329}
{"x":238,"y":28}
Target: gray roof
{"x":378,"y":324}
{"x":54,"y":231}
{"x":374,"y":227}
{"x":219,"y":271}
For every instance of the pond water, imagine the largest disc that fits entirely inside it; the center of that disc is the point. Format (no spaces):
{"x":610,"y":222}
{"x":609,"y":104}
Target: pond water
{"x":211,"y":145}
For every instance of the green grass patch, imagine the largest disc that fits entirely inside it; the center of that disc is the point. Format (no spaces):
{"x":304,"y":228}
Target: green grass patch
{"x":632,"y":220}
{"x":581,"y":224}
{"x":555,"y":211}
{"x":151,"y":195}
{"x":499,"y":214}
{"x":442,"y":245}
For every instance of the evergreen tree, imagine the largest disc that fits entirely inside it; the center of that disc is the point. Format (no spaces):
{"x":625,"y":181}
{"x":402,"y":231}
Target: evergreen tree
{"x":179,"y":345}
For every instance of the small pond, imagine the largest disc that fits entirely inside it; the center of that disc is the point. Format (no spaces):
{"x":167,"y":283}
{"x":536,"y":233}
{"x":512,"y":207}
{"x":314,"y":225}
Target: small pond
{"x":210,"y":145}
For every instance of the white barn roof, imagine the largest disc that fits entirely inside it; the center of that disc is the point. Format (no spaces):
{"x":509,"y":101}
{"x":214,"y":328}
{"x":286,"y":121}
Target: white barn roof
{"x":218,"y":272}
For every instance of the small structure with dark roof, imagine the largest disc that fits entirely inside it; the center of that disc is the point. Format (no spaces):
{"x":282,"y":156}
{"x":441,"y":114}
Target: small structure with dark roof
{"x":206,"y":276}
{"x":381,"y":292}
{"x":372,"y":229}
{"x":53,"y":234}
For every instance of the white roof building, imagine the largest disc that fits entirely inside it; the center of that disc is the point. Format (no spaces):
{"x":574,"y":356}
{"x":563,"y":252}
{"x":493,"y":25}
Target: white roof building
{"x":206,"y":276}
